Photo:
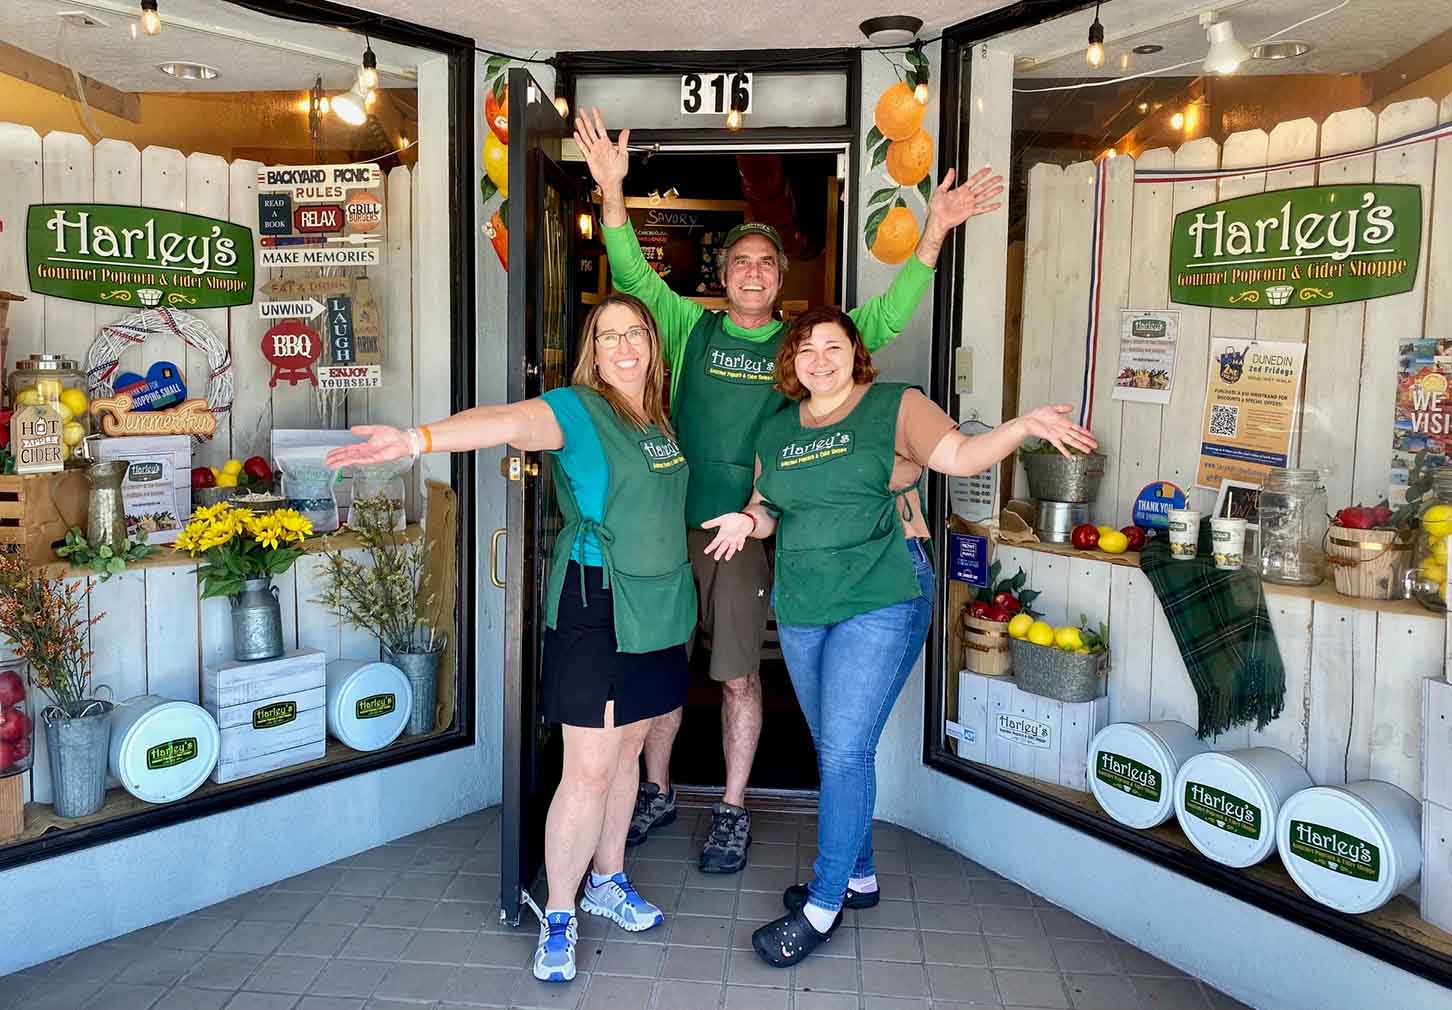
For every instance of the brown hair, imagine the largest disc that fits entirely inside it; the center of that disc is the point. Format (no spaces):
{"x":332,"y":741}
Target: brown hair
{"x":863,"y":371}
{"x":587,"y":374}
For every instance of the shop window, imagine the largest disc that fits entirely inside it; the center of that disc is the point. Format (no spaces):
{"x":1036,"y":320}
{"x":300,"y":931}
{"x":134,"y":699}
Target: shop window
{"x":235,"y":228}
{"x":1169,"y":234}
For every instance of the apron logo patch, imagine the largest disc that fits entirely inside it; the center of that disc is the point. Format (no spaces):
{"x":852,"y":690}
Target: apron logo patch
{"x":662,"y":454}
{"x":810,"y":452}
{"x":742,"y":367}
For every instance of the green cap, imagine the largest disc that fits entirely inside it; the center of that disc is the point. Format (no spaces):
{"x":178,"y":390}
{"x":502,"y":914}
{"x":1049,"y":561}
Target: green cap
{"x":752,"y":228}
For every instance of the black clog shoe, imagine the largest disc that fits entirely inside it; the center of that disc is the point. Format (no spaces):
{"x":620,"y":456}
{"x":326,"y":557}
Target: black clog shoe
{"x":788,"y":940}
{"x":795,"y":897}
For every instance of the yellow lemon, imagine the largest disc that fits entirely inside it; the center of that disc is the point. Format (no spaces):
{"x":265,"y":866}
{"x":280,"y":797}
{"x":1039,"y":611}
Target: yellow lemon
{"x":227,"y":480}
{"x":1113,"y":542}
{"x":76,"y":400}
{"x":1438,"y":528}
{"x":1019,"y":626}
{"x":1041,"y":633}
{"x":232,"y":466}
{"x":73,"y":433}
{"x":1083,"y":650}
{"x":1104,"y":529}
{"x":1437,"y":514}
{"x":66,"y":414}
{"x":49,"y":389}
{"x":1439,"y":549}
{"x":1068,"y":638}
{"x":1434,"y":571}
{"x":496,"y":162}
{"x":29,"y":398}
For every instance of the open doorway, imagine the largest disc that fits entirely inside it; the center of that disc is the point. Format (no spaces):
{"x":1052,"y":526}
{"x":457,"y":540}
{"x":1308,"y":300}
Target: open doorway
{"x":682,"y":203}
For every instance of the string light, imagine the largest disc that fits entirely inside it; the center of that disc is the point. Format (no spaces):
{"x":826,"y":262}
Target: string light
{"x":368,"y":75}
{"x":562,"y":107}
{"x":1178,"y":120}
{"x":150,"y":18}
{"x":587,"y":226}
{"x":1094,"y":55}
{"x":921,"y":94}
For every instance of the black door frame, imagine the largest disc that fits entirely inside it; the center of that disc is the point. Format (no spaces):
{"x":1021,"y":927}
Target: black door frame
{"x":1350,"y":930}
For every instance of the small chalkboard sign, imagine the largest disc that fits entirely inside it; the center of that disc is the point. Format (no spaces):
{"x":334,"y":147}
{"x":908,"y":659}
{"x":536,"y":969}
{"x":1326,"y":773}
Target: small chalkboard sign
{"x":680,"y":239}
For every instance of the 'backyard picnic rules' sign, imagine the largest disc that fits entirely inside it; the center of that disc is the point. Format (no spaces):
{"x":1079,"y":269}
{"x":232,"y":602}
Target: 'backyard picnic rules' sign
{"x":319,"y":215}
{"x":1298,"y":248}
{"x":137,"y":257}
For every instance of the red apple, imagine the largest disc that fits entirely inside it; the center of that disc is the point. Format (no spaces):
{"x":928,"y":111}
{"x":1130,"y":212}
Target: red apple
{"x":12,"y":688}
{"x":7,"y":754}
{"x":1085,"y":536}
{"x":997,"y":614}
{"x":1007,"y":602}
{"x":13,"y":724}
{"x":1135,"y":536}
{"x":22,"y":747}
{"x":979,"y":609}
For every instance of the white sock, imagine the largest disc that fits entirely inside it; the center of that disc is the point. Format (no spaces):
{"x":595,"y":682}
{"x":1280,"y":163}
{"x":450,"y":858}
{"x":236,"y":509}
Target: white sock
{"x":560,"y":911}
{"x":863,"y":885}
{"x":597,"y":879}
{"x":820,"y":918}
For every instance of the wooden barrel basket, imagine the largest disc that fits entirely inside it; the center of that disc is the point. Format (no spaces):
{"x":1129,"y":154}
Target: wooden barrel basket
{"x":1369,"y":564}
{"x":985,"y":646}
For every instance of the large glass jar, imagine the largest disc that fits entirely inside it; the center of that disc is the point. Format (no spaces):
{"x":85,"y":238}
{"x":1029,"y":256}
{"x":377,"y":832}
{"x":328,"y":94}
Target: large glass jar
{"x":1427,"y":580}
{"x":52,"y":379}
{"x":1293,"y":524}
{"x":17,"y":720}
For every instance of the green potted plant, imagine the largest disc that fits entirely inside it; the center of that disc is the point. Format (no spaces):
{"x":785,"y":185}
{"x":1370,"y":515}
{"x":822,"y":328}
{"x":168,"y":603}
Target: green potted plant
{"x":382,"y":596}
{"x":45,"y":619}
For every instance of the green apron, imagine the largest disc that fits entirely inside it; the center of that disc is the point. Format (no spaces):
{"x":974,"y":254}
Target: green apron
{"x":726,"y":389}
{"x":642,"y":539}
{"x":840,"y":546}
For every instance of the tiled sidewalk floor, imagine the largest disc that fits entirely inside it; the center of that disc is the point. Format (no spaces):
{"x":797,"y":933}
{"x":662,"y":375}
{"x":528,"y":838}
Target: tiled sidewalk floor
{"x":415,"y":924}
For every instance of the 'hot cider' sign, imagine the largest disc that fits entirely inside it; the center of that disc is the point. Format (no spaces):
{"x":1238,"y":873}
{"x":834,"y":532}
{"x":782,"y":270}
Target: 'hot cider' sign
{"x":1298,"y":248}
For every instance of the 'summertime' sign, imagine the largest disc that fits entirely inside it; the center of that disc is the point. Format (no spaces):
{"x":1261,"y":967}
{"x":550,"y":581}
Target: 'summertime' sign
{"x":1298,"y":248}
{"x":112,"y":254}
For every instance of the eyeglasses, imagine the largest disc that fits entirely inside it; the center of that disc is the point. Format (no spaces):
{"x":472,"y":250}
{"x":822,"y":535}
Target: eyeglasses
{"x":638,"y":336}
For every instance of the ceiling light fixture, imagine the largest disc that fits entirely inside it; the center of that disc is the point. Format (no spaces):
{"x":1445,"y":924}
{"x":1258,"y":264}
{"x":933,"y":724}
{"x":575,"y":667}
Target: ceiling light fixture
{"x":1287,"y":50}
{"x":352,"y":105}
{"x":1094,"y":55}
{"x":1226,"y":54}
{"x":892,"y":30}
{"x":189,"y":71}
{"x":1148,"y":49}
{"x":150,"y":18}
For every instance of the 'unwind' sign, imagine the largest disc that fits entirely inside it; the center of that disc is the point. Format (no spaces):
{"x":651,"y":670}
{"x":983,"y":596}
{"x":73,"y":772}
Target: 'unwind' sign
{"x":1298,"y":248}
{"x":137,"y":257}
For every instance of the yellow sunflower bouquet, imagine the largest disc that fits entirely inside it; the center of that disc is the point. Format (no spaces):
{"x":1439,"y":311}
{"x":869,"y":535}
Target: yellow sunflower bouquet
{"x":237,"y":545}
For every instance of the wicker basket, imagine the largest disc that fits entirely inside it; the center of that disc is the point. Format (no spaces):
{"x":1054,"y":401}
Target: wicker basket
{"x":1369,"y":564}
{"x":985,"y":646}
{"x":1054,"y":673}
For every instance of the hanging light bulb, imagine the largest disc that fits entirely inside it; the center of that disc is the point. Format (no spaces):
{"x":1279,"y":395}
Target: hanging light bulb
{"x":150,"y":18}
{"x":1178,"y":121}
{"x":1225,"y":53}
{"x":324,"y":105}
{"x":1094,"y":55}
{"x":562,"y":107}
{"x":734,"y":117}
{"x":368,"y":74}
{"x":352,"y":105}
{"x":921,"y":94}
{"x":587,"y":225}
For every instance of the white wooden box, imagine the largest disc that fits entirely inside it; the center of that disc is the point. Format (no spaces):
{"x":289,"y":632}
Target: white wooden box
{"x":272,"y":713}
{"x":1043,"y":739}
{"x":1437,"y":743}
{"x":157,"y":491}
{"x":1436,"y":882}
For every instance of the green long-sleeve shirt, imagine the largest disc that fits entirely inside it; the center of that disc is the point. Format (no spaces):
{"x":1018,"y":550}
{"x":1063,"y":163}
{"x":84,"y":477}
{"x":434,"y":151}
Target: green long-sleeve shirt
{"x":880,"y":319}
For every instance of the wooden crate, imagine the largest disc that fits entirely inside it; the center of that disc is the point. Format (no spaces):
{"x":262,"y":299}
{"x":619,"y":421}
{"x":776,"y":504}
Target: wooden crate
{"x":271,"y":713}
{"x":985,"y":646}
{"x":37,"y":509}
{"x":1435,"y":899}
{"x":1006,"y":728}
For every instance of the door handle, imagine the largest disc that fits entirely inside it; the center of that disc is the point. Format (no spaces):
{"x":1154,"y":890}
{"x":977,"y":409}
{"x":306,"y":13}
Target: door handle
{"x":494,"y":558}
{"x":517,"y":468}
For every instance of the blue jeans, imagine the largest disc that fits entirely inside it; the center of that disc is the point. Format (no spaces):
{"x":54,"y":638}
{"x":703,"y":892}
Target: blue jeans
{"x":847,"y":677}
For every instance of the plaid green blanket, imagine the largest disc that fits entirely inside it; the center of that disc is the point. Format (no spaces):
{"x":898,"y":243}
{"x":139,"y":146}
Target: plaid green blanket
{"x":1224,"y":633}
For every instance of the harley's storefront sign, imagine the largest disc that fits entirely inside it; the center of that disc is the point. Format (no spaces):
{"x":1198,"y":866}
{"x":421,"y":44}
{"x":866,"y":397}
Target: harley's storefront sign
{"x":111,"y":254}
{"x":1298,"y":248}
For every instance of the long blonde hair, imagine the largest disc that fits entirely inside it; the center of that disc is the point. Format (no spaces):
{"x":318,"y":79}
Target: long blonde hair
{"x":587,"y":373}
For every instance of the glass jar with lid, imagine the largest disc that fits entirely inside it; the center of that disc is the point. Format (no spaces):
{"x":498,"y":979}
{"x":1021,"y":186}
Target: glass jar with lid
{"x":58,"y":381}
{"x":1427,"y":580}
{"x":1293,"y":524}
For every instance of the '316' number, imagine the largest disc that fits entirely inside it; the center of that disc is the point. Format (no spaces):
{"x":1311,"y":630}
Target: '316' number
{"x":715,"y":94}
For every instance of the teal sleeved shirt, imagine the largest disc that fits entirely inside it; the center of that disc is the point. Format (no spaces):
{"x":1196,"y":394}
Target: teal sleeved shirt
{"x":586,"y":468}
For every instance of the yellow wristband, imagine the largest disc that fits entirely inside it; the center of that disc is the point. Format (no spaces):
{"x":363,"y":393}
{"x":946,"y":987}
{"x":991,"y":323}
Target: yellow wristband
{"x":428,"y":438}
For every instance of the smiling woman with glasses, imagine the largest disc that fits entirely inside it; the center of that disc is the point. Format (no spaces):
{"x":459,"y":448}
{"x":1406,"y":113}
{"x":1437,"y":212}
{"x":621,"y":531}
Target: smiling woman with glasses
{"x":620,"y":601}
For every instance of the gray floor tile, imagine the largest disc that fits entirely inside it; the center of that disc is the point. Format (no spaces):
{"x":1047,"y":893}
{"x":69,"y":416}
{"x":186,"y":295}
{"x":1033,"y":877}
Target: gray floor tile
{"x":775,"y":879}
{"x":698,"y":931}
{"x":331,"y":1003}
{"x":1033,"y":953}
{"x":672,"y":995}
{"x":739,"y":997}
{"x":760,"y":906}
{"x":262,"y":1001}
{"x":781,"y":854}
{"x":1068,"y":926}
{"x":505,"y":949}
{"x":1032,"y":988}
{"x":746,"y":968}
{"x":378,"y":943}
{"x":222,"y":970}
{"x":389,"y":1004}
{"x":470,"y":887}
{"x":467,"y":915}
{"x":951,"y":918}
{"x":894,"y":1003}
{"x":185,"y":998}
{"x":420,"y":885}
{"x":1003,"y":893}
{"x":530,"y":993}
{"x":159,"y":966}
{"x":120,"y":996}
{"x":928,"y":888}
{"x":439,"y":946}
{"x":413,"y":982}
{"x":384,"y":857}
{"x":102,"y":962}
{"x":890,"y":945}
{"x":888,"y":914}
{"x":825,"y":1001}
{"x":286,"y":973}
{"x":63,"y":994}
{"x":830,"y":974}
{"x":196,"y":932}
{"x":698,"y":901}
{"x":433,"y":860}
{"x":1010,"y":921}
{"x":955,"y":948}
{"x":611,"y":993}
{"x":622,"y":958}
{"x":1086,"y":955}
{"x":962,"y":984}
{"x":1101,"y":992}
{"x":251,"y":938}
{"x":320,"y":939}
{"x":694,"y":964}
{"x":1170,"y":993}
{"x":320,"y":881}
{"x":886,"y":978}
{"x":480,"y":986}
{"x":891,"y":862}
{"x":657,"y":874}
{"x":350,"y":978}
{"x":1137,"y":962}
{"x":282,"y":906}
{"x":1219,"y":1001}
{"x":15,"y":990}
{"x":399,"y":912}
{"x":341,"y":909}
{"x":369,"y":883}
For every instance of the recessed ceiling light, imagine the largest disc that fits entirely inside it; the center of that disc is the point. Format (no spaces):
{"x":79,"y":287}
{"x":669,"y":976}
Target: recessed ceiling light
{"x":1288,"y":49}
{"x":188,"y":71}
{"x":1148,"y":49}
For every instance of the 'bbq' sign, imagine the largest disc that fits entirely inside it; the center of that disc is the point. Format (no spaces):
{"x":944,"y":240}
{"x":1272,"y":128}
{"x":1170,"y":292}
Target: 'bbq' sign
{"x":292,"y":349}
{"x":1298,"y":248}
{"x":110,"y":254}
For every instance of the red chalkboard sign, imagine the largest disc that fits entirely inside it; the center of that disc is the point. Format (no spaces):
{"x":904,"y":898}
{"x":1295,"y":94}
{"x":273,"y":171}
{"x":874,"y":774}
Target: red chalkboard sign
{"x":292,"y":349}
{"x":313,"y":218}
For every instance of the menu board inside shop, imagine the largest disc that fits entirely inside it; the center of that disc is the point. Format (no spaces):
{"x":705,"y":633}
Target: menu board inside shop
{"x":320,"y":215}
{"x":680,"y":240}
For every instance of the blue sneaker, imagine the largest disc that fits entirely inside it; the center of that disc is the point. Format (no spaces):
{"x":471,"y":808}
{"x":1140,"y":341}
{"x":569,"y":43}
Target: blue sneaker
{"x":554,"y":958}
{"x":619,"y":901}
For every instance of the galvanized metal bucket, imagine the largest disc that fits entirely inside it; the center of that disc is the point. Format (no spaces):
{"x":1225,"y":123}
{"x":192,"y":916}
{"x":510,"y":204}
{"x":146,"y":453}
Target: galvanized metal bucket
{"x":1051,"y":477}
{"x":1056,"y":673}
{"x":79,"y":743}
{"x":256,"y":622}
{"x":422,"y":671}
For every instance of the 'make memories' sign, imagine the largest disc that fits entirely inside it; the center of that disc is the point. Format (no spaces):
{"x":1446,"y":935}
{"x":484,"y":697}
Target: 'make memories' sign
{"x":1298,"y":248}
{"x":111,"y":254}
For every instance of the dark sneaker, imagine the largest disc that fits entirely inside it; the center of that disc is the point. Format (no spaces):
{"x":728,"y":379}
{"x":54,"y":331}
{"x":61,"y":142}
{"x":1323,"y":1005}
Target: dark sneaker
{"x":795,"y":897}
{"x":653,"y":809}
{"x":725,"y":850}
{"x":788,"y":940}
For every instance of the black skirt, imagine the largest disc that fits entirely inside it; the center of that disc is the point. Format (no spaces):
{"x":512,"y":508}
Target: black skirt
{"x":583,"y":668}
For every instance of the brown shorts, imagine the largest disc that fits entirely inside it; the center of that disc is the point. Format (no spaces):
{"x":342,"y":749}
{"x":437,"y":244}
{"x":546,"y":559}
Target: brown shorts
{"x":734,"y":598}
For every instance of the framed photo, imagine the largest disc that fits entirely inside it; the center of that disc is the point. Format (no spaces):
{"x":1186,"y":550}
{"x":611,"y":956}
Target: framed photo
{"x":1239,"y":500}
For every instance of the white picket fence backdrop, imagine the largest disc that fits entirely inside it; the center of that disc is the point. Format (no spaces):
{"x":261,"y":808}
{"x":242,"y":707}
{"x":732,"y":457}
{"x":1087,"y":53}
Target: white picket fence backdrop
{"x":66,"y":167}
{"x":1351,"y":357}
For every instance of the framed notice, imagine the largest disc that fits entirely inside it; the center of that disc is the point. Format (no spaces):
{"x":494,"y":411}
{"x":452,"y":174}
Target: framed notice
{"x":1422,"y":421}
{"x":1147,"y":341}
{"x":1251,"y":398}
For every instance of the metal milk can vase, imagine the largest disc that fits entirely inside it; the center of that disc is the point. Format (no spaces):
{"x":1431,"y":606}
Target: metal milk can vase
{"x":256,"y":621}
{"x":422,"y":671}
{"x":106,"y":511}
{"x":79,"y":741}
